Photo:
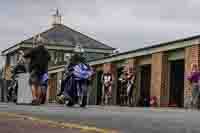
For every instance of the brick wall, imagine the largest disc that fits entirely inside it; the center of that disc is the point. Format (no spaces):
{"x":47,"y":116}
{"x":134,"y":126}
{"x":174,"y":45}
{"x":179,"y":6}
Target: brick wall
{"x":94,"y":86}
{"x":51,"y":92}
{"x":159,"y":84}
{"x":111,"y":67}
{"x":165,"y":81}
{"x":7,"y":72}
{"x":107,"y":67}
{"x":132,"y":62}
{"x":192,"y":55}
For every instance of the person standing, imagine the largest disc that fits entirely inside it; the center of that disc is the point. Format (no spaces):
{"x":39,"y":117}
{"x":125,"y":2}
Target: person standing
{"x":38,"y":69}
{"x":106,"y":88}
{"x":131,"y":87}
{"x":122,"y":84}
{"x":194,"y":78}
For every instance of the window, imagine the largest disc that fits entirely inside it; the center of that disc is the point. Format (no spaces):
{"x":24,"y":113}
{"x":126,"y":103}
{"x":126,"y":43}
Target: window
{"x":60,"y":56}
{"x":52,"y":55}
{"x":57,"y":57}
{"x":91,"y":56}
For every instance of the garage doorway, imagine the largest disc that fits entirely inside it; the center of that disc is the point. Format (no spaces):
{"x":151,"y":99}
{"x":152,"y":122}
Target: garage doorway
{"x":145,"y":85}
{"x":99,"y":87}
{"x":177,"y":83}
{"x":120,"y":89}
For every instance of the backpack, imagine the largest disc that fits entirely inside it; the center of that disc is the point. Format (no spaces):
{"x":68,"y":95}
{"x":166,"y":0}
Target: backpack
{"x":82,"y":71}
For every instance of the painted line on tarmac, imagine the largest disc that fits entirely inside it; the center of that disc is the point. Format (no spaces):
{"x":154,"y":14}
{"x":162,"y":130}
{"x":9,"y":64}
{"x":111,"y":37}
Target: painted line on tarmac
{"x":60,"y":124}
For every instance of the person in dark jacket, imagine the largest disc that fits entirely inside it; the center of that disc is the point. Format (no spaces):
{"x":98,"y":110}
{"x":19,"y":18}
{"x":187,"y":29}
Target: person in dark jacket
{"x":38,"y":69}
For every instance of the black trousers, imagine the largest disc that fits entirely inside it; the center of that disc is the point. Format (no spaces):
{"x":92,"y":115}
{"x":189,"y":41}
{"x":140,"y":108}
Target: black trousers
{"x":18,"y":68}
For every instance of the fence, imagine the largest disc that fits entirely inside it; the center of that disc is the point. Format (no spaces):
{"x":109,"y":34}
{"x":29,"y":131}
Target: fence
{"x":52,"y":90}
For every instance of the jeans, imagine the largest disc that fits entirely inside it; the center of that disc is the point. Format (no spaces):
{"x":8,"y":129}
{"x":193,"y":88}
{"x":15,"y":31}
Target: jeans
{"x":195,"y":95}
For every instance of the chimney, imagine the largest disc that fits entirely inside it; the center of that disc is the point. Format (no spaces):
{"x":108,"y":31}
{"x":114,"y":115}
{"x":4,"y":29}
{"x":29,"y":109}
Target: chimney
{"x":56,"y":18}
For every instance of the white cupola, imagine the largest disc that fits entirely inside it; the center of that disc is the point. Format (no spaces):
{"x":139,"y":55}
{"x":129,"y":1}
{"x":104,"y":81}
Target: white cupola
{"x":56,"y":18}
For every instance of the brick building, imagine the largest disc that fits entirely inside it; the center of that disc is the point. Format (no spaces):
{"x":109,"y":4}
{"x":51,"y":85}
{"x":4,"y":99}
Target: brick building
{"x":161,"y":71}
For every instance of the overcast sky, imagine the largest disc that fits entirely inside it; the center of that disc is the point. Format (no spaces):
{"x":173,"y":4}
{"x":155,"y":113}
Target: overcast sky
{"x":124,"y":24}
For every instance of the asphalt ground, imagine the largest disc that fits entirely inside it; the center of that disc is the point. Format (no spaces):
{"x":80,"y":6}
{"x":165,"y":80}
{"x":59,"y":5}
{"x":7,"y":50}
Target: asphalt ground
{"x":112,"y":119}
{"x":12,"y":124}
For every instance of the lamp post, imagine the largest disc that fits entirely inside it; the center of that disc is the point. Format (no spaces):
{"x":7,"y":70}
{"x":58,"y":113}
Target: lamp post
{"x":79,"y":49}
